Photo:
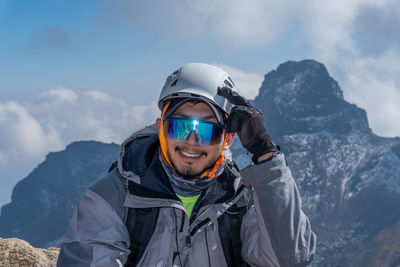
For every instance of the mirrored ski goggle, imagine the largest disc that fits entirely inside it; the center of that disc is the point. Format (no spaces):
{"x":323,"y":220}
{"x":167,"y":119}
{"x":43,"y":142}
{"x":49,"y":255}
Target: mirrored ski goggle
{"x":179,"y":130}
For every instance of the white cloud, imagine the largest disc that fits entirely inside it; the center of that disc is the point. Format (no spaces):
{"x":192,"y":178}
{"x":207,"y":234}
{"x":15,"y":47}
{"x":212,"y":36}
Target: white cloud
{"x":328,"y":24}
{"x":22,"y":136}
{"x":99,"y":96}
{"x":60,"y":95}
{"x":373,"y":84}
{"x":247,"y":84}
{"x":377,"y":28}
{"x":254,"y":22}
{"x":92,"y":115}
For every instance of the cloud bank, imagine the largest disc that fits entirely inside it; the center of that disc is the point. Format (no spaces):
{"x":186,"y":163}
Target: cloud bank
{"x":28,"y":131}
{"x":91,"y":115}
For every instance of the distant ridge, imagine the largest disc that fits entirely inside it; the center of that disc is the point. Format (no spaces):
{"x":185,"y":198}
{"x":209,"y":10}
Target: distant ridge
{"x":42,"y":203}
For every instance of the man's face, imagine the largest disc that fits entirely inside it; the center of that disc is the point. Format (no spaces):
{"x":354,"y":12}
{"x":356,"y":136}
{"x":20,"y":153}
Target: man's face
{"x":189,"y":158}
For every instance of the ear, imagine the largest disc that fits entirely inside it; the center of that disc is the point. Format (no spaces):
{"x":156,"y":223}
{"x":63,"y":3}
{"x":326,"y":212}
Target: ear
{"x":158,"y":123}
{"x":229,"y":140}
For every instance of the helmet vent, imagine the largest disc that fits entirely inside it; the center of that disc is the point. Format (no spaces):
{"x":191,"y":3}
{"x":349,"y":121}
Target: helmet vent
{"x":228,"y":83}
{"x":174,"y":83}
{"x":231,"y":81}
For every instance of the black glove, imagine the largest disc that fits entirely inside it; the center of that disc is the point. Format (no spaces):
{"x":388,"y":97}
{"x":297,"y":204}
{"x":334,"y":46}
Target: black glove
{"x":249,"y":123}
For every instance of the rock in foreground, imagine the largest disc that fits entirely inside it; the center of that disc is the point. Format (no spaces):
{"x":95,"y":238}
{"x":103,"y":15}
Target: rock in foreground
{"x":16,"y":252}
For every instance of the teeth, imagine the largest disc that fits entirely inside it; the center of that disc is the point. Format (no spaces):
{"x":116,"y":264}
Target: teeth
{"x":187,"y":154}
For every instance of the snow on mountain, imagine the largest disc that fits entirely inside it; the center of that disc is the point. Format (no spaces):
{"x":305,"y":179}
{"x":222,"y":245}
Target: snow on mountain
{"x":349,"y":177}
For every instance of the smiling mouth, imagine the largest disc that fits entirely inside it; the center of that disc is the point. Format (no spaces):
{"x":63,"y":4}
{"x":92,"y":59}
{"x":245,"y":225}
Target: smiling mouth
{"x":190,"y":155}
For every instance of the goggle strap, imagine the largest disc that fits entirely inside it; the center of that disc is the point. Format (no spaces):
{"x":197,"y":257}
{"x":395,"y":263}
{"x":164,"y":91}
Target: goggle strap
{"x":161,"y":137}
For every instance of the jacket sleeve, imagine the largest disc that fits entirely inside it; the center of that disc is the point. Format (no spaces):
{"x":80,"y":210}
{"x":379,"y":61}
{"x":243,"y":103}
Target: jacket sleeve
{"x":277,"y":204}
{"x":96,"y":235}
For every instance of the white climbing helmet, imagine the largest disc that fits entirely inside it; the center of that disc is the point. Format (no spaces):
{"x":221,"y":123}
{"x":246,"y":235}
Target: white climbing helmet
{"x":200,"y":81}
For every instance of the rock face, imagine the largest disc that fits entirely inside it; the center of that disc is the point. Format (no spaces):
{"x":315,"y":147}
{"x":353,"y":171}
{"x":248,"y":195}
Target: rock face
{"x":18,"y":253}
{"x":349,"y":178}
{"x":43,"y":202}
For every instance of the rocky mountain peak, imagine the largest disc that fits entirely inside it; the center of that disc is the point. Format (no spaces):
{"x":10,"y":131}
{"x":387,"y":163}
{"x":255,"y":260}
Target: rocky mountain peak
{"x":348,"y":176}
{"x":303,"y":97}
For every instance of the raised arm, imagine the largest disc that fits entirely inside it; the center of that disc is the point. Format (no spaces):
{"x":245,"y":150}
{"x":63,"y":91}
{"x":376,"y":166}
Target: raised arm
{"x":276,"y":197}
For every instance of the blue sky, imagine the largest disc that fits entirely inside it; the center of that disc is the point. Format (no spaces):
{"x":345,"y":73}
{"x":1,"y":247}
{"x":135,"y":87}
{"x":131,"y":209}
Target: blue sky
{"x":83,"y":70}
{"x":83,"y":46}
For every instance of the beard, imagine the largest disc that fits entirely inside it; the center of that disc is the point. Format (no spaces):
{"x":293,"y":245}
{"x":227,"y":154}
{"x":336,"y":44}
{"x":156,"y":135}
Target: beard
{"x":188,"y":172}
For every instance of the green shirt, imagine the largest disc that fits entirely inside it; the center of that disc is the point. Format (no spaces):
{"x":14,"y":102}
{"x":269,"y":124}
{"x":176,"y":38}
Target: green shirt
{"x":188,"y":203}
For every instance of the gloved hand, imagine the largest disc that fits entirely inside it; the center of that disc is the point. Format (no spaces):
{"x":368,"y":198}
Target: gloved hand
{"x":249,"y":123}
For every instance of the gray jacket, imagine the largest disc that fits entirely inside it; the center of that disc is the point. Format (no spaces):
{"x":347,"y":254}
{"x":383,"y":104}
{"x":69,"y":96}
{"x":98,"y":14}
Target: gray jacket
{"x":274,"y":230}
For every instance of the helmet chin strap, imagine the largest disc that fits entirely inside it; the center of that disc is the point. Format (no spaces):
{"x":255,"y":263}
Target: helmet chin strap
{"x":164,"y":149}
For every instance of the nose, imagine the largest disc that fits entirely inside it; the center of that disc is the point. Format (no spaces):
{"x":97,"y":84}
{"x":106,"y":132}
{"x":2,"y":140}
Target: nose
{"x":192,"y":138}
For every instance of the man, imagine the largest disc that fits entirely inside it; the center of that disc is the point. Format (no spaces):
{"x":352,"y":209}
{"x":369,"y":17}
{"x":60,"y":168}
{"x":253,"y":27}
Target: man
{"x":174,"y":198}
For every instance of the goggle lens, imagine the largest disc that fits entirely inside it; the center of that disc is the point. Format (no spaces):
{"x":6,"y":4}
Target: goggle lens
{"x":179,"y":130}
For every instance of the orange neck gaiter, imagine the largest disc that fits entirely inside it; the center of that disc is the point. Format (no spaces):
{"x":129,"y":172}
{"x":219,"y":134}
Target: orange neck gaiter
{"x":163,"y":142}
